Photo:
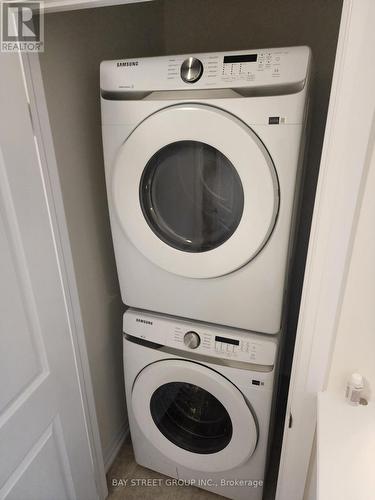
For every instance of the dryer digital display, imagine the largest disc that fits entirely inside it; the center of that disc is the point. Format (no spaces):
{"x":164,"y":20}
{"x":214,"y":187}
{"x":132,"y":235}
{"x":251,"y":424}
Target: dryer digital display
{"x":241,"y":58}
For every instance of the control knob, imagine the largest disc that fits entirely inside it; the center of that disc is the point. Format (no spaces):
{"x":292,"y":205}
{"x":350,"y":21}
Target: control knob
{"x":191,"y":70}
{"x":192,"y":340}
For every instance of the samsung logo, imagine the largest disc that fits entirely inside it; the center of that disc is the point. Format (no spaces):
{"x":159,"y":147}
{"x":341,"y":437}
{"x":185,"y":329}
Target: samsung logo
{"x":127,"y":63}
{"x":145,"y":321}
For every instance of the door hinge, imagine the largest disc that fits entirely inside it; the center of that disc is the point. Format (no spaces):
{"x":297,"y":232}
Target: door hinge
{"x":290,"y":421}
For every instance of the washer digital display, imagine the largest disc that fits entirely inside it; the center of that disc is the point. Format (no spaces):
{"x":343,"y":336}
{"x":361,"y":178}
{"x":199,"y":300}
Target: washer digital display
{"x":226,"y":340}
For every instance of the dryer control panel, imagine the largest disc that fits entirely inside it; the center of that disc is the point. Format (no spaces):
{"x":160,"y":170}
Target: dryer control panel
{"x":265,"y":70}
{"x":205,"y":339}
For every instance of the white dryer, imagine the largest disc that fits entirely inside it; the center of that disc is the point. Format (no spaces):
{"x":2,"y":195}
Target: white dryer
{"x":202,"y":158}
{"x":199,"y":401}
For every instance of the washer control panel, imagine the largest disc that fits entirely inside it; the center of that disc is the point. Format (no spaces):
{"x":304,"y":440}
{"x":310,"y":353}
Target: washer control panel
{"x":262,"y":68}
{"x":216,"y":341}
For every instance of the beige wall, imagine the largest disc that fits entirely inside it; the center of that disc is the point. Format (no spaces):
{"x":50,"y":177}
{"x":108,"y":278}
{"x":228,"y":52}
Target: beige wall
{"x":355,"y":341}
{"x":212,"y":25}
{"x":76,"y":42}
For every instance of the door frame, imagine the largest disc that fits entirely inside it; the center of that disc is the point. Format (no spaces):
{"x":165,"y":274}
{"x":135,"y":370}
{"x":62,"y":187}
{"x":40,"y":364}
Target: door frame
{"x":65,"y":5}
{"x":43,"y":136}
{"x":350,"y":121}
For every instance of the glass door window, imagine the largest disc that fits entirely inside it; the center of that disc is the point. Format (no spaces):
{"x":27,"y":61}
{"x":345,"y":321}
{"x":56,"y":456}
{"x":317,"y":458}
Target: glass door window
{"x":191,"y":196}
{"x":193,"y":415}
{"x":191,"y":418}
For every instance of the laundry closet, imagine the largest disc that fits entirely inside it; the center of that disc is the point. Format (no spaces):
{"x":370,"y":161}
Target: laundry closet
{"x":75,"y":44}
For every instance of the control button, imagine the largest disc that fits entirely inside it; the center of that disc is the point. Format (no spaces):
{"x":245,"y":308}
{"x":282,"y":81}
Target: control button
{"x":191,"y":70}
{"x":192,"y":340}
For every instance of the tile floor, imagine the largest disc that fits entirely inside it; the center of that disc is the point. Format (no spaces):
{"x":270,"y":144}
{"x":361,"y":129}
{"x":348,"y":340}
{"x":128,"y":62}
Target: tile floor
{"x":125,"y":467}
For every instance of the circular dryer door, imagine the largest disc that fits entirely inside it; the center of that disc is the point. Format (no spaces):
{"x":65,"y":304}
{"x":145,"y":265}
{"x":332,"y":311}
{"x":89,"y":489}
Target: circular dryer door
{"x":195,"y":191}
{"x":194,"y":415}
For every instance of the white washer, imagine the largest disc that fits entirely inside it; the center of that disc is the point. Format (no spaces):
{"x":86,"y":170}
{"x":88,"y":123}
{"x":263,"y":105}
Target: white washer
{"x":202,"y":156}
{"x":199,"y":401}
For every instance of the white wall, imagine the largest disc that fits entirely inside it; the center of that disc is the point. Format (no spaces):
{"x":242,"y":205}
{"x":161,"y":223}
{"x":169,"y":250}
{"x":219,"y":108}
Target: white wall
{"x":355,"y":342}
{"x":354,"y":348}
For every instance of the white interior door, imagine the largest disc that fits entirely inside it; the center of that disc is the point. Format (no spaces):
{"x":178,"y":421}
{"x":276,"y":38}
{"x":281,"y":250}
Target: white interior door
{"x":45,"y":450}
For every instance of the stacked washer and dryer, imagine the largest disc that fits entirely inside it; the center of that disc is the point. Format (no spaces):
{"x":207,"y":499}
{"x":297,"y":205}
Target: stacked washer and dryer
{"x":203,"y":156}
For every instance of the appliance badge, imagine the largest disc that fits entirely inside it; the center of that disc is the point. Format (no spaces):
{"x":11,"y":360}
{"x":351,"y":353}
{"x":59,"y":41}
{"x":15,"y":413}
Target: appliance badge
{"x":145,"y":321}
{"x":127,"y":63}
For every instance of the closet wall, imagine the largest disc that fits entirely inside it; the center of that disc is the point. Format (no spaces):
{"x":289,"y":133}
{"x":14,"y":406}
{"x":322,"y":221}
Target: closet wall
{"x":76,"y":42}
{"x":213,"y":25}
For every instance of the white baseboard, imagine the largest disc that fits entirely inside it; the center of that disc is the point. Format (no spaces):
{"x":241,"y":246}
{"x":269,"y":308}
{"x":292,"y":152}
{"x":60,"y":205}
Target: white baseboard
{"x":111,"y":451}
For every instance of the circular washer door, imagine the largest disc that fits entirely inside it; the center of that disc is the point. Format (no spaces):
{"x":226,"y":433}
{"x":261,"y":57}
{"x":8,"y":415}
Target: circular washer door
{"x":195,"y":191}
{"x":194,"y":415}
